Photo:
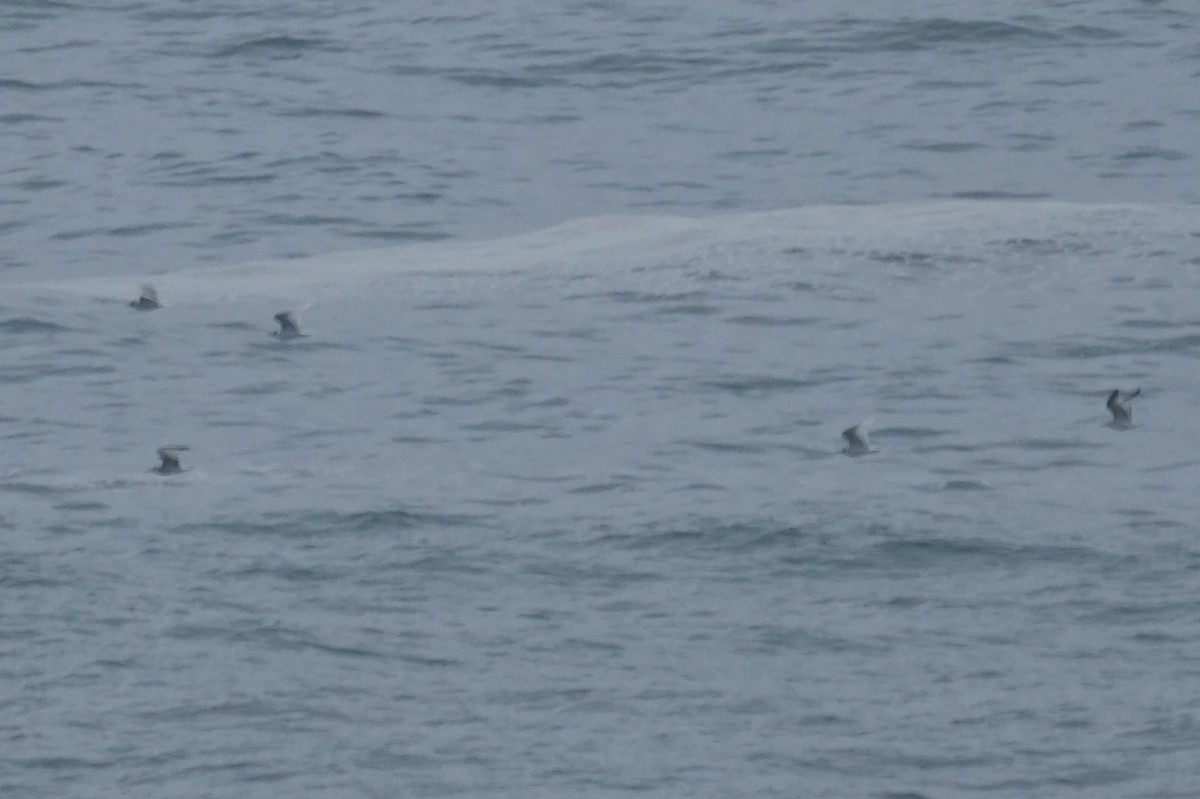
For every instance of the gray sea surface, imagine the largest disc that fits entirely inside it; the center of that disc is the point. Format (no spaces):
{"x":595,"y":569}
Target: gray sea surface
{"x":154,"y":136}
{"x":550,"y":500}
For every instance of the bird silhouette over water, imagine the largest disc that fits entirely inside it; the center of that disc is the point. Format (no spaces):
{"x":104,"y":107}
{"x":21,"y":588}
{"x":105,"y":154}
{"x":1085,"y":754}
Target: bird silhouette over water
{"x":147,"y":300}
{"x":857,"y":442}
{"x":288,"y":326}
{"x":1120,"y":404}
{"x":170,"y":459}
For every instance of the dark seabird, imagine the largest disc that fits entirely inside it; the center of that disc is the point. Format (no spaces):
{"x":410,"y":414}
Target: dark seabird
{"x":288,"y":326}
{"x":856,"y":440}
{"x":1119,"y":403}
{"x":170,"y":459}
{"x":148,"y":300}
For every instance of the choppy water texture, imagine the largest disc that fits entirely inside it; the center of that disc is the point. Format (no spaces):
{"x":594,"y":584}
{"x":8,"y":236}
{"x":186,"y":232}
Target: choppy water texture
{"x":583,"y":526}
{"x":152,"y":136}
{"x":564,"y":513}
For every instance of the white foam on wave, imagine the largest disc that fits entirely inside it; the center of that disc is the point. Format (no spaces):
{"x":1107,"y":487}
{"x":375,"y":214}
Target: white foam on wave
{"x":616,"y":241}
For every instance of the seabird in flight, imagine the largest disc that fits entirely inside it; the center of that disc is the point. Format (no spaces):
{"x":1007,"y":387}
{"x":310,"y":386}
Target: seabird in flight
{"x":288,"y":326}
{"x":170,"y":459}
{"x":1119,"y":402}
{"x":147,"y":301}
{"x":856,"y":440}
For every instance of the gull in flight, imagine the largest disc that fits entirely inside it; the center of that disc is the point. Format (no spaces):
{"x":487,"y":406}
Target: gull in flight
{"x":288,"y":326}
{"x":857,"y":442}
{"x":1119,"y":402}
{"x":147,"y":300}
{"x":170,"y":459}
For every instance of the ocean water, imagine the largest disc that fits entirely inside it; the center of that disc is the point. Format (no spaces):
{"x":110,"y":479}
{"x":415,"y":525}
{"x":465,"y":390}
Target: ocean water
{"x":550,"y":499}
{"x":150,"y":137}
